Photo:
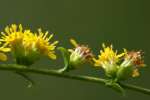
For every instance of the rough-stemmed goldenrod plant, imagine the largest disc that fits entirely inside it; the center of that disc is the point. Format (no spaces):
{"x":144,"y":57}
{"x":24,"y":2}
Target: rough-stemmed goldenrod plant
{"x":27,"y":47}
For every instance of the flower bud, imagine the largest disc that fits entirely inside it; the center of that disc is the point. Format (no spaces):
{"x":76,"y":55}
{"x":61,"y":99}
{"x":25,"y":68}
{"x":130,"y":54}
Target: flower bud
{"x":79,"y":55}
{"x":129,"y":67}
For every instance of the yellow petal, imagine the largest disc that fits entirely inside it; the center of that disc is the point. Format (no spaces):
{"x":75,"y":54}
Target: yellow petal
{"x":135,"y":73}
{"x":5,"y":49}
{"x":3,"y":57}
{"x":52,"y":56}
{"x":7,"y":30}
{"x":20,"y":27}
{"x":120,"y":55}
{"x":97,"y":62}
{"x":73,"y":42}
{"x":14,"y":27}
{"x":103,"y":45}
{"x":54,"y":43}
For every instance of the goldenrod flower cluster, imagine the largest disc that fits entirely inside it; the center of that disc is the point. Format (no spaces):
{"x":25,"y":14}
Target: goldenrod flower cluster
{"x":119,"y":66}
{"x":27,"y":47}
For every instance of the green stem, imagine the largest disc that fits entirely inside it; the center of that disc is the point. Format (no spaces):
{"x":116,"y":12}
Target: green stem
{"x":27,"y":78}
{"x":19,"y":68}
{"x":135,"y":88}
{"x":62,"y":70}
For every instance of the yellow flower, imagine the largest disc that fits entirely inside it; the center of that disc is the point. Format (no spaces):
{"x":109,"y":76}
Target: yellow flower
{"x":108,"y":60}
{"x":107,"y":56}
{"x":13,"y":40}
{"x":12,"y":37}
{"x":25,"y":45}
{"x":40,"y":42}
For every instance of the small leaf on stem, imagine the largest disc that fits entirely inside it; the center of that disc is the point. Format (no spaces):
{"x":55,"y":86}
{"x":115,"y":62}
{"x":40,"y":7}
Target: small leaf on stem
{"x":66,"y":58}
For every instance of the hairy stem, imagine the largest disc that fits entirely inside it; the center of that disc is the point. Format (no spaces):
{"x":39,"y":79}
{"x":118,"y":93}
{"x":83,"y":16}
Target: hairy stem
{"x":19,"y":68}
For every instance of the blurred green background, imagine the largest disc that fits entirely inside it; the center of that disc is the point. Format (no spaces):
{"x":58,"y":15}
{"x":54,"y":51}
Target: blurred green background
{"x":124,"y":23}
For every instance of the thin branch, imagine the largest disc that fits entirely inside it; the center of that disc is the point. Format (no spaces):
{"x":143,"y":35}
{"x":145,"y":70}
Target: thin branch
{"x":13,"y":67}
{"x":135,"y":88}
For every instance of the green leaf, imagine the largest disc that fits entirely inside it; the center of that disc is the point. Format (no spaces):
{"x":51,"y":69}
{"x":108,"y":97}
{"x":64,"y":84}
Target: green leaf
{"x":66,"y":58}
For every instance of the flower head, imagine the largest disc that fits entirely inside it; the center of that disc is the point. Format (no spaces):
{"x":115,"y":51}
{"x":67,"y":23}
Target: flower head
{"x":12,"y":37}
{"x":133,"y":59}
{"x":79,"y":54}
{"x":108,"y":56}
{"x":41,"y":43}
{"x":25,"y":45}
{"x":120,"y":66}
{"x":108,"y":60}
